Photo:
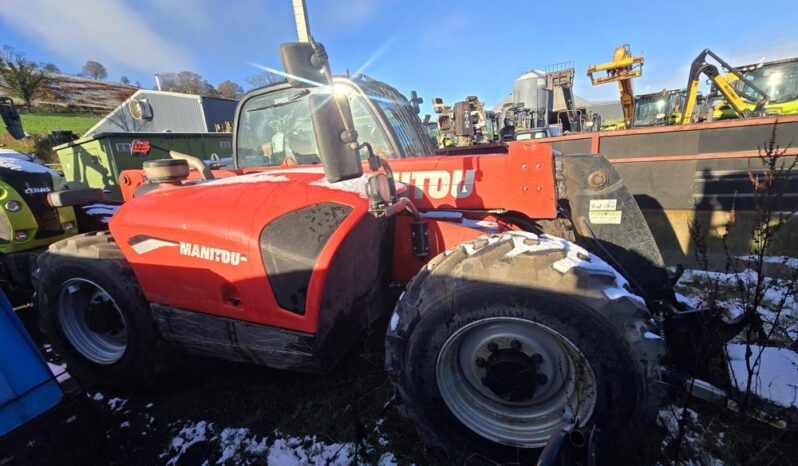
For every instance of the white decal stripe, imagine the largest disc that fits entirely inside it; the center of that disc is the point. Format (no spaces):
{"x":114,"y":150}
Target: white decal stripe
{"x":149,"y":245}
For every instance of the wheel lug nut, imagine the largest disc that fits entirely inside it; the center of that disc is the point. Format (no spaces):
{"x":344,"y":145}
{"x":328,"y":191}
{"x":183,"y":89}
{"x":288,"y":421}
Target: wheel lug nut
{"x":481,"y":362}
{"x":515,"y":344}
{"x":537,"y":358}
{"x":492,"y":347}
{"x":542,"y":378}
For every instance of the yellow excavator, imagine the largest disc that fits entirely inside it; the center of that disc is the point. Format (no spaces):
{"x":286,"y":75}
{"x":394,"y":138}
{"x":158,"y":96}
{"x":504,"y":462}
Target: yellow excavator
{"x":621,"y":69}
{"x":736,"y":98}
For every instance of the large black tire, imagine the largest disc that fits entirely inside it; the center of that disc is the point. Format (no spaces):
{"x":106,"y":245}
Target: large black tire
{"x":546,"y":286}
{"x":83,"y":264}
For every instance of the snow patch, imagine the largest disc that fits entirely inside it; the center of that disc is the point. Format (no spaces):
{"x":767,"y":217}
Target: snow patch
{"x":116,"y":404}
{"x":777,"y":379}
{"x":355,"y":185}
{"x":394,"y":321}
{"x":790,"y":262}
{"x":251,"y":178}
{"x":237,"y":441}
{"x":186,"y":438}
{"x":577,"y":256}
{"x":20,"y":164}
{"x":310,"y":451}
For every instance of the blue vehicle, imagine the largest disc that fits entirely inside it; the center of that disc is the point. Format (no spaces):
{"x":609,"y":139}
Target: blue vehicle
{"x":28,"y":388}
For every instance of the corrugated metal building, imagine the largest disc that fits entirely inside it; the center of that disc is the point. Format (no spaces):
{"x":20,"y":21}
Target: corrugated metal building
{"x":149,"y":111}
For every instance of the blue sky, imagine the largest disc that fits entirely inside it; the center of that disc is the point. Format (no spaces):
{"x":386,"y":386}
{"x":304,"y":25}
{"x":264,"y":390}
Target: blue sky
{"x":446,"y":49}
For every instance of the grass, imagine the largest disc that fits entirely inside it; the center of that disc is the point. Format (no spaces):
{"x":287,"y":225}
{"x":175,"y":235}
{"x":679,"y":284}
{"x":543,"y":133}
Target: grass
{"x":39,"y":124}
{"x":42,"y":123}
{"x":347,"y":405}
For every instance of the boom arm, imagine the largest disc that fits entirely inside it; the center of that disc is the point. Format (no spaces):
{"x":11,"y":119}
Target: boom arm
{"x":735,"y":99}
{"x":622,"y":69}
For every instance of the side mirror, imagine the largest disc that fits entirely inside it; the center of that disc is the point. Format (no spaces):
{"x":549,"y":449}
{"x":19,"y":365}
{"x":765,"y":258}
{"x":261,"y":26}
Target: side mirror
{"x":10,"y":115}
{"x":303,"y":64}
{"x":341,"y":162}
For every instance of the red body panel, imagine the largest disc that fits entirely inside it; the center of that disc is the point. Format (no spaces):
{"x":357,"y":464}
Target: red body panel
{"x":521,"y":180}
{"x":226,"y":218}
{"x":443,"y":235}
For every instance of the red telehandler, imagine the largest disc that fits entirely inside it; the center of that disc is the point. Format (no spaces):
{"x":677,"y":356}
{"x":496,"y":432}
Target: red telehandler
{"x":536,"y":309}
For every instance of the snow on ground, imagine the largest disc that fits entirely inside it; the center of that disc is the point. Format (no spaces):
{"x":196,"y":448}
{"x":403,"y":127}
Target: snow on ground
{"x":789,"y":262}
{"x":683,"y":426}
{"x":240,"y":446}
{"x":775,"y":373}
{"x":697,"y":288}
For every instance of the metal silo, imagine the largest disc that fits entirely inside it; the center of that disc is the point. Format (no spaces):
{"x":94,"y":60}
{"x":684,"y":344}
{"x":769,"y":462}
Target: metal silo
{"x":530,"y":90}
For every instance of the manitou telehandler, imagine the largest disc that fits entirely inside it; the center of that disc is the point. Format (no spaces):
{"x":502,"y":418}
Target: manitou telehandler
{"x":536,"y":315}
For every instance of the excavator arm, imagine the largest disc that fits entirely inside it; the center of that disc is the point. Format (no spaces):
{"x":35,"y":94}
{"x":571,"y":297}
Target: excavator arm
{"x":736,"y":99}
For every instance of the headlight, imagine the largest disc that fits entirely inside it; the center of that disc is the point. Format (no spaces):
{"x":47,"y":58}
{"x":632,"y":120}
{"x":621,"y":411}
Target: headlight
{"x":21,"y":236}
{"x":69,"y":226}
{"x":12,"y":206}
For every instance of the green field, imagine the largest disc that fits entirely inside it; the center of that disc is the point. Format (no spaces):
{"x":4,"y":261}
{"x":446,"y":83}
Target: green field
{"x":39,"y":124}
{"x":42,"y":123}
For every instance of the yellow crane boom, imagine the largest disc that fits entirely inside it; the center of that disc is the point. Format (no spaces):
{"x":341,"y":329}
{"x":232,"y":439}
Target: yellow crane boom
{"x":621,"y":69}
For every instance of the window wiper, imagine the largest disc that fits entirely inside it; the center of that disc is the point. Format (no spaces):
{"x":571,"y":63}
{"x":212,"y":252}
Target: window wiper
{"x":289,"y":100}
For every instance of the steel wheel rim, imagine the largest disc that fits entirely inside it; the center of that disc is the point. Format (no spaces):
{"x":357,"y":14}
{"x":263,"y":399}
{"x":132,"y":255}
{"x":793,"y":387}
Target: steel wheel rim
{"x":569,"y":392}
{"x":79,"y":301}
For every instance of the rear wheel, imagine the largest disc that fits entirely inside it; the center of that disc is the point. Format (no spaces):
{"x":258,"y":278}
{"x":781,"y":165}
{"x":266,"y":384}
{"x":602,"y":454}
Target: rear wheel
{"x":504,"y":341}
{"x":95,"y":315}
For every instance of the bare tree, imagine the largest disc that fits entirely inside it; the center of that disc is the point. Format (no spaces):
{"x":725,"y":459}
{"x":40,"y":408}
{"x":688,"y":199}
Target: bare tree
{"x":187,"y":82}
{"x":124,"y":80}
{"x":230,"y":89}
{"x":50,"y":68}
{"x":94,"y":70}
{"x":20,"y":76}
{"x":263,"y":79}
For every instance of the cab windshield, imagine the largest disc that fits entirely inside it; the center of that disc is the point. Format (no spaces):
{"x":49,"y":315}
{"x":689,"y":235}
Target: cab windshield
{"x":780,"y":82}
{"x":275,"y":129}
{"x":655,"y":109}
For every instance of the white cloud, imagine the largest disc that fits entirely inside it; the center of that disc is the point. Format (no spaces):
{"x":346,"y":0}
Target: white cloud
{"x":751,"y":53}
{"x":444,"y":33}
{"x":351,"y":12}
{"x":103,"y":30}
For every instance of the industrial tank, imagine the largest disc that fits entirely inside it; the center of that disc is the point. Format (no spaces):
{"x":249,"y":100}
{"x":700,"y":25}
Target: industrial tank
{"x":530,"y":89}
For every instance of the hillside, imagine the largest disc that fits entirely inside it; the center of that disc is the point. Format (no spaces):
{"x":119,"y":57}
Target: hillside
{"x":75,"y":94}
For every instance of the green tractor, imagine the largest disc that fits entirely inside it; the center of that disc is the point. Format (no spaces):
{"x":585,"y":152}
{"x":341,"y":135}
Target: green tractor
{"x":35,"y":210}
{"x":659,"y":108}
{"x":778,"y":79}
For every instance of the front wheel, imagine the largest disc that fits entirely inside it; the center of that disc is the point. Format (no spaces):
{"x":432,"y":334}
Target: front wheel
{"x":95,"y":315}
{"x":499,"y":344}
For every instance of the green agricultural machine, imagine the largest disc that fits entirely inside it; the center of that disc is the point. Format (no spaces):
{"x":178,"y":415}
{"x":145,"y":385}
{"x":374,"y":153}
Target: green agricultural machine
{"x":36,"y":210}
{"x":96,"y":161}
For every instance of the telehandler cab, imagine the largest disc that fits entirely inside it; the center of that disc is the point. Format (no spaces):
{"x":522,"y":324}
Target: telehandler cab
{"x":535,"y":311}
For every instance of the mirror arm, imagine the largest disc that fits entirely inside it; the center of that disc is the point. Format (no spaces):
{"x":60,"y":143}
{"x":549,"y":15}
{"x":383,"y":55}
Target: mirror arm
{"x":376,"y":162}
